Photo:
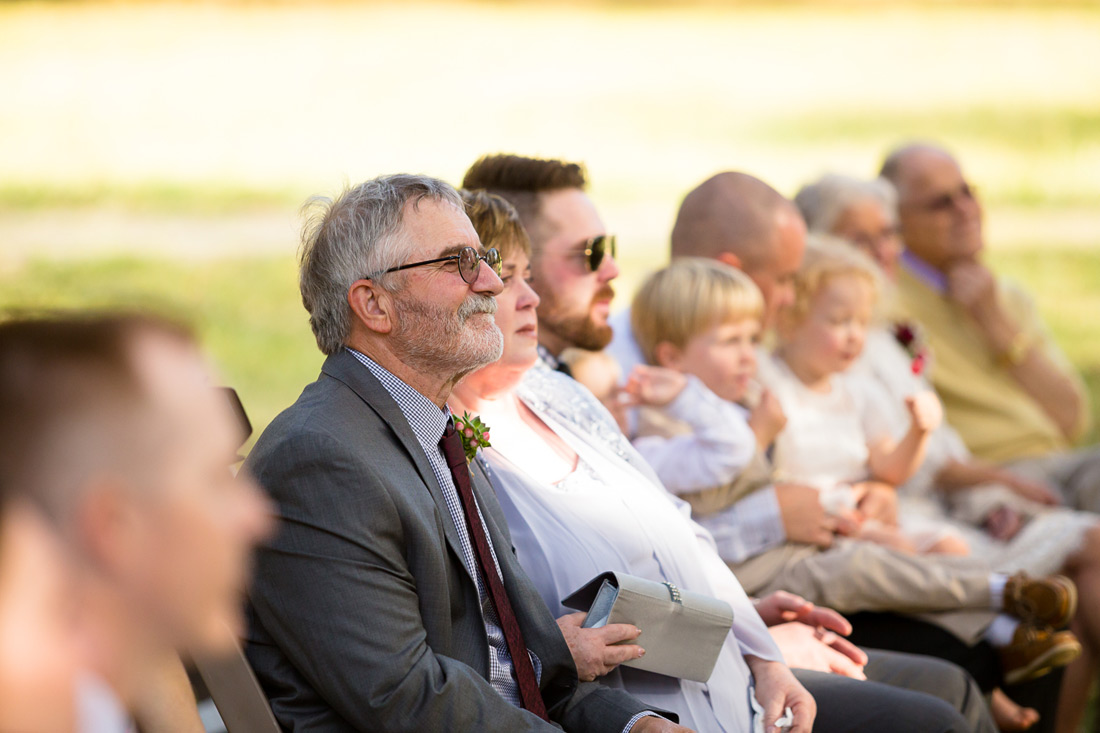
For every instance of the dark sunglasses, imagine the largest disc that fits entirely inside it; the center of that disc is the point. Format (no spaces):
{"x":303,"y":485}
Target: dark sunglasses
{"x":469,"y":260}
{"x":596,"y":248}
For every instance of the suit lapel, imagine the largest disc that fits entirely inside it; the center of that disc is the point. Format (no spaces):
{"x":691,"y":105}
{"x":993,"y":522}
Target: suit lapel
{"x":347,"y":369}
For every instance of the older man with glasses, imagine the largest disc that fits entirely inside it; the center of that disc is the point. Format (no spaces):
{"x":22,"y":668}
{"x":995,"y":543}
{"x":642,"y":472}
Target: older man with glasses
{"x":390,"y":599}
{"x":1006,"y":386}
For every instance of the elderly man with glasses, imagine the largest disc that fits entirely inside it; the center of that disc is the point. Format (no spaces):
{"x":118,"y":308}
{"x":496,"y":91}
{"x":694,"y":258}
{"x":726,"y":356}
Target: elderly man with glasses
{"x":1006,"y":386}
{"x":390,"y":599}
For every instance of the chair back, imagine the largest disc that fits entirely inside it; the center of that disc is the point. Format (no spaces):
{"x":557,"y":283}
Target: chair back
{"x":237,"y":693}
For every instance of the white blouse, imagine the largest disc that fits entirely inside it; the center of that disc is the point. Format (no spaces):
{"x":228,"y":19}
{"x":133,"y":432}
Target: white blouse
{"x":612,"y":514}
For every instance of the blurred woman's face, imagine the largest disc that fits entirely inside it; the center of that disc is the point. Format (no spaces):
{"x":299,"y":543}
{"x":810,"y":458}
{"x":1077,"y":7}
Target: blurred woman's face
{"x":872,"y":229}
{"x":515,"y":314}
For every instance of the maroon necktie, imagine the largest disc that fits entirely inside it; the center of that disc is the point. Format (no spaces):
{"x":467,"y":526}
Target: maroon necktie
{"x":513,"y":636}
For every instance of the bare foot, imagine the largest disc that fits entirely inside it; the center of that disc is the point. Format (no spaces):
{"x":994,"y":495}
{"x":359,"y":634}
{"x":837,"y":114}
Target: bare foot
{"x":1008,"y":715}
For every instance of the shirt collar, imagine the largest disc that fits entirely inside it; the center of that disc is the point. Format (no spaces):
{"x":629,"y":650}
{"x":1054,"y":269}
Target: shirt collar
{"x":924,"y":272}
{"x":425,"y":418}
{"x":549,"y":359}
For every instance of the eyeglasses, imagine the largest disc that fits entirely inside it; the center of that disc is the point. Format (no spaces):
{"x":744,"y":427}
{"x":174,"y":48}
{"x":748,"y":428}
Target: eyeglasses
{"x":945,"y":201}
{"x":596,"y":248}
{"x":469,"y":260}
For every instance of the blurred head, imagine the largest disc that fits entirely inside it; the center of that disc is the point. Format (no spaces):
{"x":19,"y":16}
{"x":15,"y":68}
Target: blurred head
{"x":497,"y":225}
{"x":567,"y":239}
{"x":701,"y":317}
{"x":110,"y":425}
{"x":863,"y":213}
{"x":835,"y":294}
{"x":744,"y":222}
{"x":938,"y":212}
{"x":432,"y":316}
{"x":39,"y":650}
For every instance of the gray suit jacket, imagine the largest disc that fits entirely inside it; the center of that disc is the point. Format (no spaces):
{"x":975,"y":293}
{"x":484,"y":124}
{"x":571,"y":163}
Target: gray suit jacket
{"x":362,"y":614}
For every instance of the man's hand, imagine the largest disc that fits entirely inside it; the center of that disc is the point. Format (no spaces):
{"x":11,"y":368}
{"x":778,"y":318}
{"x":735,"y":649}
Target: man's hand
{"x":592,"y":649}
{"x":652,"y":724}
{"x":925,"y":410}
{"x":1035,"y":491}
{"x":804,"y":519}
{"x":777,"y":690}
{"x":767,"y":419}
{"x":879,"y":501}
{"x":782,"y":607}
{"x":818,"y":649}
{"x":973,"y":286}
{"x":654,"y":386}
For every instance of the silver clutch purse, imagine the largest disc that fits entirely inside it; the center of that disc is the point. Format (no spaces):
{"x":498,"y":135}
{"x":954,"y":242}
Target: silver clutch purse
{"x":682,"y":632}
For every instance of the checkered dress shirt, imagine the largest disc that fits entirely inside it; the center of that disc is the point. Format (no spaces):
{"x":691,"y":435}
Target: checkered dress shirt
{"x":428,"y":423}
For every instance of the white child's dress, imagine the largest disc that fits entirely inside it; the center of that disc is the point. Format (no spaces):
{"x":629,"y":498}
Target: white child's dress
{"x":824,"y":443}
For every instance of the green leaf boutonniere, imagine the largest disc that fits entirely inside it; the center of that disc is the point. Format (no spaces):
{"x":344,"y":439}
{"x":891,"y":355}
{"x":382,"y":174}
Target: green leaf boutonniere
{"x":475,"y":434}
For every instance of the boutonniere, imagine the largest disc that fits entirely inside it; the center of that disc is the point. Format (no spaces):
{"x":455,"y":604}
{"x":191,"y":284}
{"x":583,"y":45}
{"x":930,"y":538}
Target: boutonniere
{"x":910,"y":339}
{"x":475,"y":434}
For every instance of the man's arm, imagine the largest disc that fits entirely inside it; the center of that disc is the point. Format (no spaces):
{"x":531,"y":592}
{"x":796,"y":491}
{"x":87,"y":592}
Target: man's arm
{"x":1022,"y":345}
{"x":335,"y":591}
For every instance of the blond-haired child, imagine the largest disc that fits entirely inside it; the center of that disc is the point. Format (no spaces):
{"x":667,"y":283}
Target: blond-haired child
{"x":836,"y":438}
{"x":697,"y":322}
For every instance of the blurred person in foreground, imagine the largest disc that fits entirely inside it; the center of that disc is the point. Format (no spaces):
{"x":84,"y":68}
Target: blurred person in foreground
{"x":110,"y":426}
{"x":1006,"y":386}
{"x":390,"y":599}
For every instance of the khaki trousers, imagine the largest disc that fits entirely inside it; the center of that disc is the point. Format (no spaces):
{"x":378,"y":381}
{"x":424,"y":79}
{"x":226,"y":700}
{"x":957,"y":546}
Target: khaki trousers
{"x":949,"y":591}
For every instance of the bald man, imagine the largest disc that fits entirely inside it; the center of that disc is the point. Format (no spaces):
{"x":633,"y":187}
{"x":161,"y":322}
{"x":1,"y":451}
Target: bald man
{"x":1006,"y":386}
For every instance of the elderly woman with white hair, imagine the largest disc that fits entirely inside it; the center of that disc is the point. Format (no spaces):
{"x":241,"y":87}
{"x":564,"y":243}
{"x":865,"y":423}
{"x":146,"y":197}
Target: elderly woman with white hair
{"x":1009,"y":520}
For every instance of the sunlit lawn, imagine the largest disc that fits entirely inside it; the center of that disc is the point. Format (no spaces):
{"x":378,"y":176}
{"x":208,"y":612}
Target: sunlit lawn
{"x":253,"y":324}
{"x":150,"y":151}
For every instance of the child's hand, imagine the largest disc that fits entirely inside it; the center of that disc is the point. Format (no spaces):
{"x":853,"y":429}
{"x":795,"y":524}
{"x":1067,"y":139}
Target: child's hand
{"x":879,"y":501}
{"x":925,"y":410}
{"x":767,"y":419}
{"x":654,"y":386}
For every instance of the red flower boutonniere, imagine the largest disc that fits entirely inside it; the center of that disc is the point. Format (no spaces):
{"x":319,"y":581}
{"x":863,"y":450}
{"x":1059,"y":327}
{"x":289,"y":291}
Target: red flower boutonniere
{"x":910,"y":339}
{"x":475,"y":434}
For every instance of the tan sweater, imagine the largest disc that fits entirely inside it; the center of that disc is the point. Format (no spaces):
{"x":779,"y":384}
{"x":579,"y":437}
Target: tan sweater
{"x":996,"y":418}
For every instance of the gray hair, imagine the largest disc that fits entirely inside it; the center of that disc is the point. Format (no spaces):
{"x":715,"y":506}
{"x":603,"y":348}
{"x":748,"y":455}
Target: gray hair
{"x":824,"y":201}
{"x":358,"y":235}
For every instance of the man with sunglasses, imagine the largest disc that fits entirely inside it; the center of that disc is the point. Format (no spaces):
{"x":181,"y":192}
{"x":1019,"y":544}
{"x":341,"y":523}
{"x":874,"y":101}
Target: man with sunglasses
{"x":1006,"y":386}
{"x":390,"y":599}
{"x":572,"y":255}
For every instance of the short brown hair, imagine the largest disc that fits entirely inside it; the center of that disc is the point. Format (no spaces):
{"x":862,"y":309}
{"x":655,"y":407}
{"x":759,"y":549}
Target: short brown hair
{"x":496,"y":223}
{"x":684,"y":299}
{"x":66,"y":380}
{"x":520,"y":180}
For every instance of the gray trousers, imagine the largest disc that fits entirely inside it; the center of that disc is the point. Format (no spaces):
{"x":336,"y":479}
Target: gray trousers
{"x":904,"y":693}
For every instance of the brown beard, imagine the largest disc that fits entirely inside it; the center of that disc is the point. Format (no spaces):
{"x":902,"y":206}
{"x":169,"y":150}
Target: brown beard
{"x":578,"y":331}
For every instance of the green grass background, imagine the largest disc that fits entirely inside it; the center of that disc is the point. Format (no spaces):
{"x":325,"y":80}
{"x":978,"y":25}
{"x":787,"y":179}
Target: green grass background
{"x":153,"y":156}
